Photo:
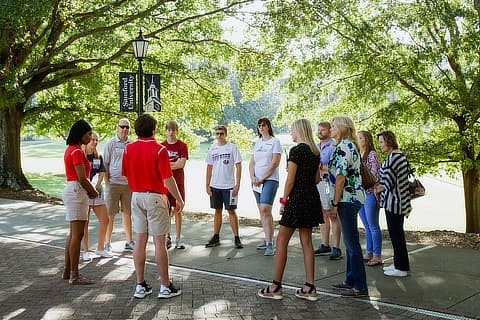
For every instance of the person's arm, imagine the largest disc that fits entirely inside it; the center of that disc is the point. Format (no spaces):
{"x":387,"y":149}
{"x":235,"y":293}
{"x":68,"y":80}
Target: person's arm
{"x":317,"y":175}
{"x":272,"y":167}
{"x":289,"y":182}
{"x":238,"y":177}
{"x":173,"y":189}
{"x":106,"y":162}
{"x":208,"y":178}
{"x":84,"y":182}
{"x":101,"y":175}
{"x":179,"y":164}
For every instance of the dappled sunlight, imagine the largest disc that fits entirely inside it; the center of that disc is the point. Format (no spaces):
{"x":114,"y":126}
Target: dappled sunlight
{"x":212,"y":307}
{"x":60,"y":311}
{"x":427,"y":281}
{"x":47,"y":271}
{"x":14,"y":314}
{"x":105,"y":297}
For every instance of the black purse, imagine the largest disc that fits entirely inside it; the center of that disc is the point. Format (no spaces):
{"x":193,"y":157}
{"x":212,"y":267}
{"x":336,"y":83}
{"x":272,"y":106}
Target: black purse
{"x":415,"y":187}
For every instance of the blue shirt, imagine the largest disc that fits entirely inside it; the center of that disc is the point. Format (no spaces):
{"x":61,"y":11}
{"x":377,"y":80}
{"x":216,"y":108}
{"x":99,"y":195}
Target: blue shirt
{"x":326,"y":151}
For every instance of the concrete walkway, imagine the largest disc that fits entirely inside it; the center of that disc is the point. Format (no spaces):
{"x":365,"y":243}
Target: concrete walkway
{"x":217,"y":283}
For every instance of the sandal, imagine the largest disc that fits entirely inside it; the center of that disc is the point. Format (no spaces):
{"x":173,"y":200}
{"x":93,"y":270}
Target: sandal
{"x":374,"y":263}
{"x":276,"y":294}
{"x":78,"y":279}
{"x":311,"y":295}
{"x":367,"y":258}
{"x":66,"y":273}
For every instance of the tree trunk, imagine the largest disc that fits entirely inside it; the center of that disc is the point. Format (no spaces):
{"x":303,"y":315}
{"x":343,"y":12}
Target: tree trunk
{"x":11,"y":174}
{"x":471,"y":190}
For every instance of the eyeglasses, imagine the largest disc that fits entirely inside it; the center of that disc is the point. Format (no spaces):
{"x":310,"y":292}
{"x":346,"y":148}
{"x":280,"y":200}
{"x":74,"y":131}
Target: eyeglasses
{"x":123,"y":127}
{"x":261,"y":125}
{"x":220,"y":133}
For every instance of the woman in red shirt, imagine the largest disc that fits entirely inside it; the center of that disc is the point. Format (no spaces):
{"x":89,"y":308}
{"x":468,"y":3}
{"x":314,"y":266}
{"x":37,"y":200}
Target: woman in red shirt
{"x":75,"y":198}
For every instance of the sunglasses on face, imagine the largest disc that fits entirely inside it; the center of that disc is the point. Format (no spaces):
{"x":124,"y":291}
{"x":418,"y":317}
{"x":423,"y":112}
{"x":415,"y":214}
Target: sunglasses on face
{"x":220,"y":133}
{"x":123,"y":127}
{"x":261,"y":125}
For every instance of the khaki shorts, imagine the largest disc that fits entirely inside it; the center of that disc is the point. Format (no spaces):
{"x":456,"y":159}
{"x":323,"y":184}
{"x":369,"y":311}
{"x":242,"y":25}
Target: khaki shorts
{"x":75,"y":200}
{"x":150,"y":213}
{"x":118,"y":193}
{"x":324,"y":192}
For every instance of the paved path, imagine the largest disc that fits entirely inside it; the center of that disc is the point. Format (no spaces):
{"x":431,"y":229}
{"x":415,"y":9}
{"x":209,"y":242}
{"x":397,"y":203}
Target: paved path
{"x":217,"y":283}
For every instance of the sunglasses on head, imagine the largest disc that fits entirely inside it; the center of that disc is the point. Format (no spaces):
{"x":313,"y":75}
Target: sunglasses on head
{"x":121,"y":126}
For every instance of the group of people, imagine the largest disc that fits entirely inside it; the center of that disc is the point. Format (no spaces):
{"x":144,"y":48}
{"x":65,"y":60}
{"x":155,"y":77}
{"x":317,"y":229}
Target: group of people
{"x":323,"y":186}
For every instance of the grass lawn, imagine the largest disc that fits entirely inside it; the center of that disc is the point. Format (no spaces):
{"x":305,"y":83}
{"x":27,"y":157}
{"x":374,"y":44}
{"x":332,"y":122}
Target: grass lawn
{"x":48,"y":183}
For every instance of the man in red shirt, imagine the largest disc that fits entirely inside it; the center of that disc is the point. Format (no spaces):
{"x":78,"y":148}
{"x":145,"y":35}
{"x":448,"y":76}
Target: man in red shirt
{"x":147,"y":168}
{"x":178,"y":154}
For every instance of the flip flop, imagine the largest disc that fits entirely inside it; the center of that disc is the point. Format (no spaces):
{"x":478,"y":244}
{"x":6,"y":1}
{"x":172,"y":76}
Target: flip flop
{"x":374,"y":263}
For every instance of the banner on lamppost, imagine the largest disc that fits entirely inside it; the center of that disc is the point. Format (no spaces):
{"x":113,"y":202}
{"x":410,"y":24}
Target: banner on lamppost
{"x":152,"y":93}
{"x":128,"y":95}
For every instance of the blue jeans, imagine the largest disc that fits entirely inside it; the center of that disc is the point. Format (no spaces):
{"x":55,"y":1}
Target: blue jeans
{"x":369,"y":214}
{"x":355,"y":275}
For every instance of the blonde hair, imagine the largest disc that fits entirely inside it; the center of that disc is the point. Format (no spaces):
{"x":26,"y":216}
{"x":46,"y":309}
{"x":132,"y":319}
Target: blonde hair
{"x":96,"y":155}
{"x":303,"y":129}
{"x":347,"y":129}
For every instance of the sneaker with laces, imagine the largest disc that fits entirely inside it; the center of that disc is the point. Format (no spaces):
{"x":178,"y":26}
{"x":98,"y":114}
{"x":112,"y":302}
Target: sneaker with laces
{"x":262,"y":245}
{"x":104,"y":253}
{"x":270,"y":250}
{"x":395,"y":273}
{"x":238,"y":243}
{"x":142,"y":290}
{"x":168,"y":242}
{"x":336,"y":254}
{"x":179,"y":244}
{"x":86,"y":256}
{"x":168,"y":292}
{"x":107,"y":247}
{"x":390,"y":267}
{"x":214,"y":242}
{"x":323,"y":250}
{"x":129,"y":246}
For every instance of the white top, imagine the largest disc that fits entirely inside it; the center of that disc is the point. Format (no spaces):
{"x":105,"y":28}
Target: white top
{"x":113,"y":156}
{"x":262,"y":156}
{"x":223,"y":159}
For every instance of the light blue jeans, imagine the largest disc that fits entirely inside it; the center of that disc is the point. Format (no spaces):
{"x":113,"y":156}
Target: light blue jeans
{"x":369,"y":215}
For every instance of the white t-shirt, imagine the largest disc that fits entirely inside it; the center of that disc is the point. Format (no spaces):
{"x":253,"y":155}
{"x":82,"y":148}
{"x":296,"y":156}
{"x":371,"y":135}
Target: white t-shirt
{"x":113,"y":156}
{"x":223,"y":159}
{"x":262,"y":156}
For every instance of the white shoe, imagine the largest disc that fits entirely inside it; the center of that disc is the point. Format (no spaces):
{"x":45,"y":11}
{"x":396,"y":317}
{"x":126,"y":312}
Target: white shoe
{"x":395,"y":273}
{"x":103,"y":253}
{"x":86,"y":256}
{"x":390,"y":267}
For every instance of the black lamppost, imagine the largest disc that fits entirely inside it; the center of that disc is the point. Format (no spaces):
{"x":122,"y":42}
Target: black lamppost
{"x":140,"y":47}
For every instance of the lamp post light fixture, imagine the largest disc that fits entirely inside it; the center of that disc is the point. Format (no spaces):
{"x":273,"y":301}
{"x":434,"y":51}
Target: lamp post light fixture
{"x":140,"y":47}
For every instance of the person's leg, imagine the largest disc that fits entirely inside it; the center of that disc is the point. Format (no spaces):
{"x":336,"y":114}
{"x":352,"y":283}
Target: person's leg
{"x":283,"y":238}
{"x":266,"y":219}
{"x":161,"y":258}
{"x":85,"y":234}
{"x":102,"y":216}
{"x":76,"y":234}
{"x":112,"y":199}
{"x":368,"y":236}
{"x":372,"y":215}
{"x":308,"y":257}
{"x":397,"y":236}
{"x":126,"y":204}
{"x":178,"y":215}
{"x":232,"y":215}
{"x":325,"y":229}
{"x":139,"y":255}
{"x":355,"y":274}
{"x":336,"y":230}
{"x":217,"y":221}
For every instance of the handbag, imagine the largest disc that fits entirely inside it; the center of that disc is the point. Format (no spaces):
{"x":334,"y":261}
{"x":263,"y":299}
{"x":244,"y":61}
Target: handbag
{"x":415,"y":187}
{"x":368,"y":179}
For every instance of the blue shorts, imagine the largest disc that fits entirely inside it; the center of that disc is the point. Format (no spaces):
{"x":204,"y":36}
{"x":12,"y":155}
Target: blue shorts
{"x":269,"y":190}
{"x":221,"y":197}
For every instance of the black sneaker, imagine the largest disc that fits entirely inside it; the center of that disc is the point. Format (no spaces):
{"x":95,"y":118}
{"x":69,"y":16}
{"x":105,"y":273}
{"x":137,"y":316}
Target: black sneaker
{"x":238,"y":243}
{"x":168,"y":243}
{"x":336,"y":254}
{"x":214,"y":242}
{"x":142,"y":290}
{"x":168,"y":292}
{"x":323,"y":250}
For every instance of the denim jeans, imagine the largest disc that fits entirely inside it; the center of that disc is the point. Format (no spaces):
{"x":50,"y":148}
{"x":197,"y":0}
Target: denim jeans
{"x":369,"y":214}
{"x":399,"y":244}
{"x":355,"y":275}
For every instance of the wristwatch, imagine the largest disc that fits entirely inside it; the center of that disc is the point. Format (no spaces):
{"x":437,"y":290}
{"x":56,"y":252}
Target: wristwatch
{"x":334,"y":205}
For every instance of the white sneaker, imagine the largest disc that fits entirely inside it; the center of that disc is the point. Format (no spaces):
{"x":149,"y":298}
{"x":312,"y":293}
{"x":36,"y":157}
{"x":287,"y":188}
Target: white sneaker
{"x":142,"y":290}
{"x":103,"y":253}
{"x":395,"y":273}
{"x":86,"y":256}
{"x":168,"y":292}
{"x":179,"y":244}
{"x":390,"y":267}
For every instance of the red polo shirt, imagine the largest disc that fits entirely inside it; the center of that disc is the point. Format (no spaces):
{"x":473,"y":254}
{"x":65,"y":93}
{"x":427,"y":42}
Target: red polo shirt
{"x":73,"y":156}
{"x":146,"y":165}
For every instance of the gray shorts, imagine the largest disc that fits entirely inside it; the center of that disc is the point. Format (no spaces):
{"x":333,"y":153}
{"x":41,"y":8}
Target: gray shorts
{"x":150,"y":213}
{"x":75,"y":200}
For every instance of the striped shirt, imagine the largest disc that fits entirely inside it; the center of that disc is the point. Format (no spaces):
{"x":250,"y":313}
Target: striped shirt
{"x":394,"y":178}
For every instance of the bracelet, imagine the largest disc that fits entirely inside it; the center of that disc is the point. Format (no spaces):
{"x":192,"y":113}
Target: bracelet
{"x":334,"y":205}
{"x":283,"y":201}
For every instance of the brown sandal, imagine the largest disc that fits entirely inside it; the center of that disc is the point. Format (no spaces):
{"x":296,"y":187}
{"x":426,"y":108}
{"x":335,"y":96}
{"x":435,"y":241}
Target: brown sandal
{"x":276,"y":294}
{"x":78,"y":279}
{"x":66,"y":273}
{"x":310,"y":295}
{"x":374,"y":263}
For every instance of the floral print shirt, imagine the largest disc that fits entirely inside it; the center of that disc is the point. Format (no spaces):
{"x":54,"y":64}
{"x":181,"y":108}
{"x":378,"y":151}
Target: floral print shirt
{"x":345,"y":161}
